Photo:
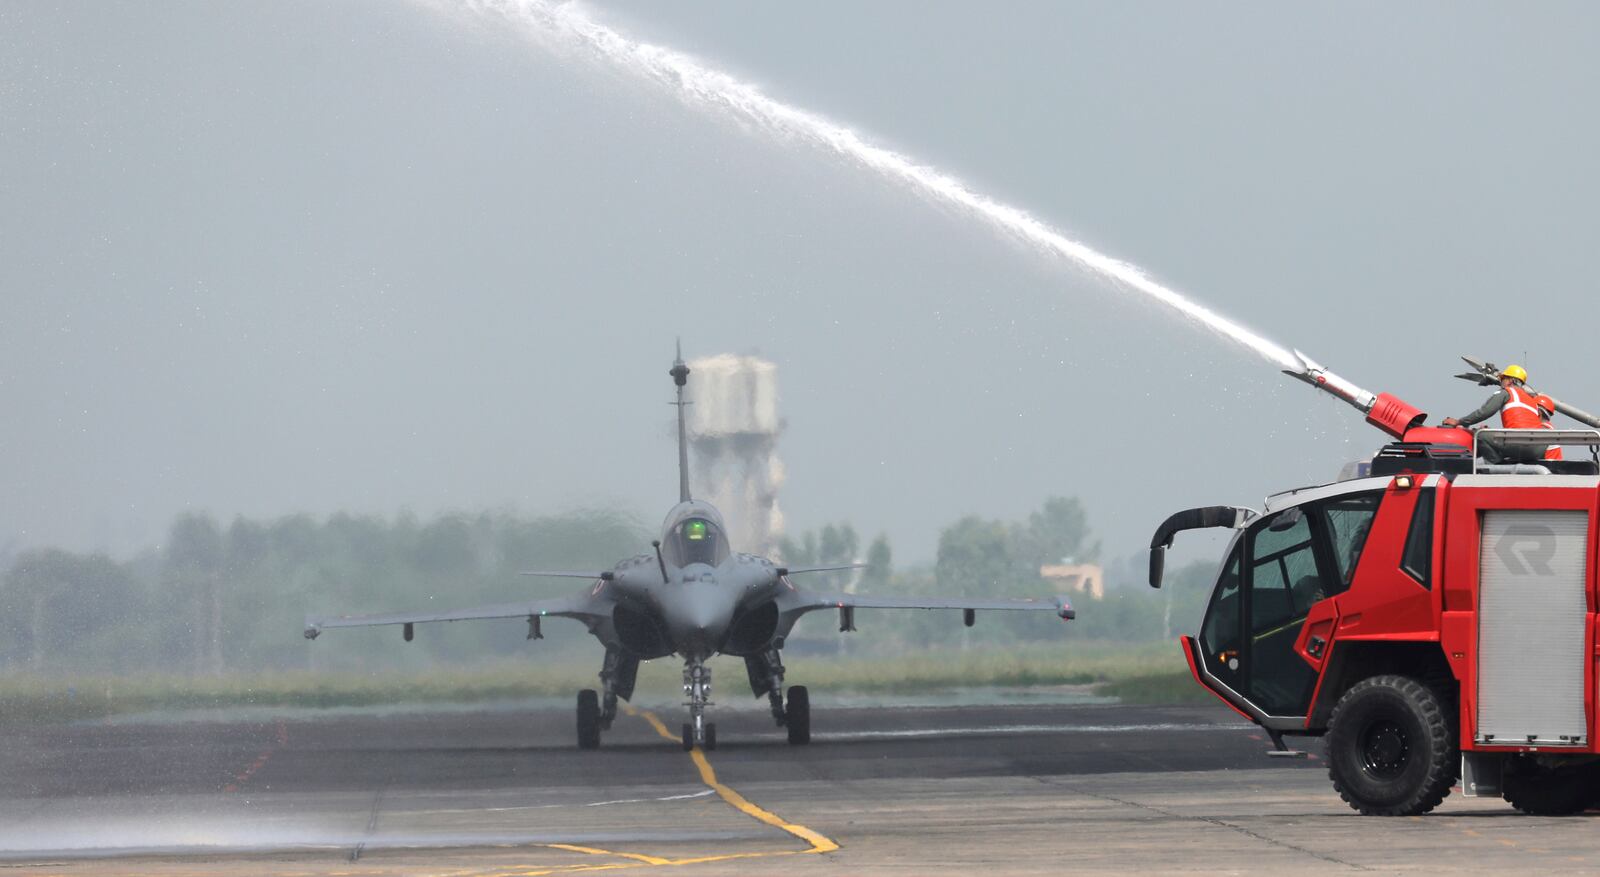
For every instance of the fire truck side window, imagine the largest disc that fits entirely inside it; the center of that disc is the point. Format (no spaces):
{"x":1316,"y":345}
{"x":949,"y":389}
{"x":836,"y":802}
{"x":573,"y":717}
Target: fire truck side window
{"x":1348,"y":519}
{"x":1418,"y":559}
{"x":1284,"y":580}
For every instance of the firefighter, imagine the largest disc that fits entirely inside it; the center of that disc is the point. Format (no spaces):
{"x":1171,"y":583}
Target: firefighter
{"x":1547,"y":410}
{"x":1518,"y":409}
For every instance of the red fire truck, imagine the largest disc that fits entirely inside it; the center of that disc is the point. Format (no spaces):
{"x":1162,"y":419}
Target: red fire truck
{"x":1434,"y":621}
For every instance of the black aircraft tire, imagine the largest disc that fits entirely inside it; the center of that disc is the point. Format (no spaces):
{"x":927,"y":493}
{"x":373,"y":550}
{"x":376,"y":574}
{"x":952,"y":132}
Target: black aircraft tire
{"x":1560,"y":791}
{"x":799,"y":715}
{"x":1391,"y":747}
{"x":588,"y":719}
{"x":688,"y":736}
{"x":711,"y":736}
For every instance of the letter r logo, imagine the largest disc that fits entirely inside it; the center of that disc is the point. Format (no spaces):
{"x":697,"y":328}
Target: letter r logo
{"x":1527,"y":549}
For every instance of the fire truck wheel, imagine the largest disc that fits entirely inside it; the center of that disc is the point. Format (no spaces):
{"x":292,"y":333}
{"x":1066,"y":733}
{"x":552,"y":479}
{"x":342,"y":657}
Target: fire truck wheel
{"x":1391,"y":747}
{"x":1548,"y":791}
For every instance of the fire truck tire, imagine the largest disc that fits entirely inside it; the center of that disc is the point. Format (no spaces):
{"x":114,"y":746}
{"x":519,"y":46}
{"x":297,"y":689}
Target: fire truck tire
{"x":1391,"y":747}
{"x":1545,"y":791}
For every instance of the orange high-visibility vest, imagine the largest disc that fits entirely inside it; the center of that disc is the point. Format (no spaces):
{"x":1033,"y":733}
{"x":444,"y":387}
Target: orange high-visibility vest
{"x":1547,"y":408}
{"x":1520,"y":410}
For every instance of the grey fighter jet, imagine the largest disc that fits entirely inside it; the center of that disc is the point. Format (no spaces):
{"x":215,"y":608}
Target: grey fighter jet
{"x":694,"y":597}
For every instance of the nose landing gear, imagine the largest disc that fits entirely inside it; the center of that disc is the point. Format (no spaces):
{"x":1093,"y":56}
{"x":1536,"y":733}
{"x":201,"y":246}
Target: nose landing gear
{"x":697,"y":685}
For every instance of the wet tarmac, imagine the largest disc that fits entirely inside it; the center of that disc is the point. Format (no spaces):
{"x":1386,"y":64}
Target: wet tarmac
{"x":1001,"y":788}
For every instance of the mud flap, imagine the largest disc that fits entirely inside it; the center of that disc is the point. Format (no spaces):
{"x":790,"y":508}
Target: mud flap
{"x":1481,"y":774}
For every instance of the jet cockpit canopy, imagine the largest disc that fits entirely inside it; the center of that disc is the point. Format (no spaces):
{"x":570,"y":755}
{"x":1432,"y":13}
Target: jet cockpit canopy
{"x":693,"y":533}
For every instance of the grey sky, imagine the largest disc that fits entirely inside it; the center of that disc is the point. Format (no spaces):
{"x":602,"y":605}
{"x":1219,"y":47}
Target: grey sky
{"x":262,"y":258}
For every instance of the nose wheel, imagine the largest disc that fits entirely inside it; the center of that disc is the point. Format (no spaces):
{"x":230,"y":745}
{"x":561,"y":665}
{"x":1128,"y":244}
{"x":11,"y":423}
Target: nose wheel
{"x":709,"y":741}
{"x":697,"y":685}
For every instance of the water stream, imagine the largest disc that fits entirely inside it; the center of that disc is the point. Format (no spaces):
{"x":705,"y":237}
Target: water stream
{"x":572,"y":26}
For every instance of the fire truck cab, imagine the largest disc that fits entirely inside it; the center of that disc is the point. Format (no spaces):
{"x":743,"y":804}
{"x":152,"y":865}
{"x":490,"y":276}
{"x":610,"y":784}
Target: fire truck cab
{"x":1434,"y":621}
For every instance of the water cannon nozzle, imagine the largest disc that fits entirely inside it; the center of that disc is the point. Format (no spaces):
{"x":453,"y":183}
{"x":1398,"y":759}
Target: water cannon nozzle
{"x":1312,"y":372}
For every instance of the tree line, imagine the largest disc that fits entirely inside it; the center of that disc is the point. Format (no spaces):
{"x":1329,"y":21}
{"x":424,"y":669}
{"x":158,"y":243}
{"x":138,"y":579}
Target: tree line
{"x":218,"y":598}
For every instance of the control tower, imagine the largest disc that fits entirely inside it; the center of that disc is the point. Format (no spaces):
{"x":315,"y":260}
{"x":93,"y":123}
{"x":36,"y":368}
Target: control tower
{"x":733,"y":433}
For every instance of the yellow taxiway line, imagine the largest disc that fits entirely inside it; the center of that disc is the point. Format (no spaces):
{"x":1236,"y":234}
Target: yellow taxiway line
{"x":818,"y":843}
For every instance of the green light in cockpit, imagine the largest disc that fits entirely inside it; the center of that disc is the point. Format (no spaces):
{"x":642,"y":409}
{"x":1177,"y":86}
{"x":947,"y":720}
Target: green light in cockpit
{"x":694,"y":531}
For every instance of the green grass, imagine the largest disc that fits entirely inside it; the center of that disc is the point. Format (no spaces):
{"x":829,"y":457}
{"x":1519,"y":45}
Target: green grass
{"x":1146,"y":673}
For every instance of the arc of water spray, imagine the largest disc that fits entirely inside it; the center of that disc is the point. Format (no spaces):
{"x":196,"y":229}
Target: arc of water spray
{"x":713,"y":89}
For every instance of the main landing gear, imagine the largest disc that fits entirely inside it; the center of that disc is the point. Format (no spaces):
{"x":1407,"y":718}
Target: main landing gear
{"x":598,"y":709}
{"x":588,"y":719}
{"x":799,"y":715}
{"x":766,"y":677}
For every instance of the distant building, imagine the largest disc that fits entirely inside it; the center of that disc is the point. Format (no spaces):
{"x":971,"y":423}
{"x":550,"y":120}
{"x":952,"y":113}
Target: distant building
{"x":1081,"y":578}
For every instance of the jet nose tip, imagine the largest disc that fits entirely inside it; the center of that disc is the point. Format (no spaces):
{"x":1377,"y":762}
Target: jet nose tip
{"x":699,"y":621}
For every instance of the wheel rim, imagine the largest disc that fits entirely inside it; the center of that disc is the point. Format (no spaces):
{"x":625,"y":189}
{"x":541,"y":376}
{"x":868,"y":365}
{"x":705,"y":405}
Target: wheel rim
{"x":1385,"y":749}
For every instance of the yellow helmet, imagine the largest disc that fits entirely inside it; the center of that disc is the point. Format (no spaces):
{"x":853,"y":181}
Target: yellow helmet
{"x":1515,"y":371}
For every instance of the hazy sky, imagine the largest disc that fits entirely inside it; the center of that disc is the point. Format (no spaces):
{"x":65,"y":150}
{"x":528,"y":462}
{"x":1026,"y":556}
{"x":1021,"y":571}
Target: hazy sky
{"x":373,"y":256}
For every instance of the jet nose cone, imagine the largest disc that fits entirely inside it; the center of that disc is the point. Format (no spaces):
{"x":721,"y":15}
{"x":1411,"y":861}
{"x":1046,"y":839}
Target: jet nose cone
{"x":698,"y":617}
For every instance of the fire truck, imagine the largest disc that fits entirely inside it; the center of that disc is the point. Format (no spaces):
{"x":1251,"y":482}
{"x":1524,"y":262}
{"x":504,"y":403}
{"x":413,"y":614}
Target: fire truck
{"x":1433,"y":619}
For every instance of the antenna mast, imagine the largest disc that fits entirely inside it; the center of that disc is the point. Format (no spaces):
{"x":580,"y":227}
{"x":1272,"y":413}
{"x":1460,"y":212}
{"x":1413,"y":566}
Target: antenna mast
{"x":680,"y":376}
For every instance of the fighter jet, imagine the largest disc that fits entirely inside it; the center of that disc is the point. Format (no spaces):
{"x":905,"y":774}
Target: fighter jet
{"x":693,"y":597}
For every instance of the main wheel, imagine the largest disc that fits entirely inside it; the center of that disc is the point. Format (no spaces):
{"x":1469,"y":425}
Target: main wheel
{"x":1548,"y":791}
{"x":799,"y":715}
{"x":711,"y":736}
{"x":588,"y":719}
{"x":1391,"y":747}
{"x":688,"y":736}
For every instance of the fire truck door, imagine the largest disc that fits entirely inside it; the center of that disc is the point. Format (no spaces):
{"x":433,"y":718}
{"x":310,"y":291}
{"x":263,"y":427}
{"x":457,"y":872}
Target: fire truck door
{"x":1282,"y":583}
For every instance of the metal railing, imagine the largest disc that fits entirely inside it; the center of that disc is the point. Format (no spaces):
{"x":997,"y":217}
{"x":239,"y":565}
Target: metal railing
{"x":1540,"y":439}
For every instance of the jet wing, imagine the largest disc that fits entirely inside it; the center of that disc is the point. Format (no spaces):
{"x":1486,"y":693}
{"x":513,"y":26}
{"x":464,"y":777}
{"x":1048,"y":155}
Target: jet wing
{"x":798,"y":601}
{"x":797,"y":570}
{"x":584,"y":607}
